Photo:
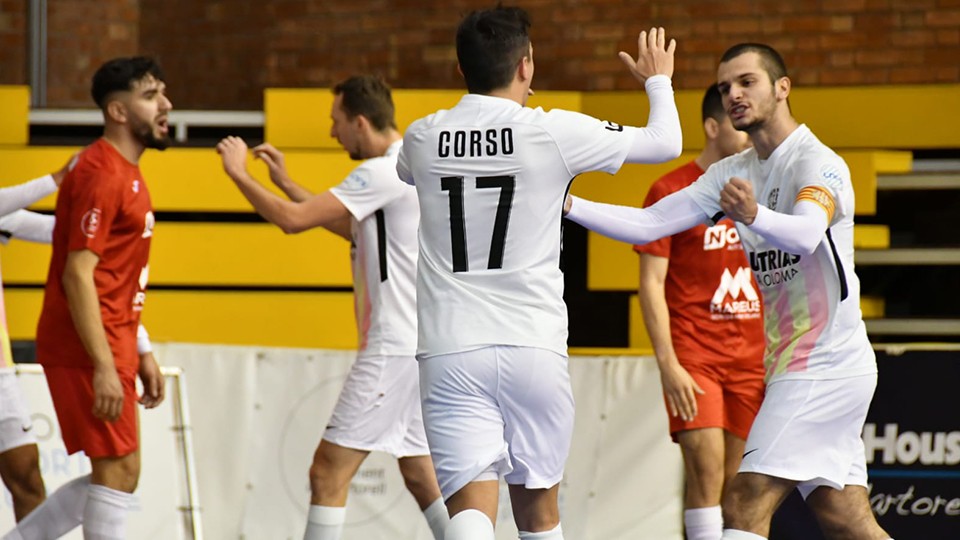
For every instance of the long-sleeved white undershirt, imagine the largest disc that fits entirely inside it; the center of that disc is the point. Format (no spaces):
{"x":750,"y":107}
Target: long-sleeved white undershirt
{"x":798,"y":233}
{"x":27,"y":225}
{"x":672,"y":214}
{"x":23,"y":195}
{"x":661,"y":139}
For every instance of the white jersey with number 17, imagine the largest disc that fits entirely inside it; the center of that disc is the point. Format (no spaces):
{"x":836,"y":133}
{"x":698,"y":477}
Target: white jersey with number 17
{"x":491,"y":177}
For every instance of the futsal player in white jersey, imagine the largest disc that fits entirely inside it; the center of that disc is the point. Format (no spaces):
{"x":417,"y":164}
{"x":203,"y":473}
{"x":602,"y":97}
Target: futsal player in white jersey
{"x":379,"y":406}
{"x":491,"y":176}
{"x":793,"y":203}
{"x":19,"y":456}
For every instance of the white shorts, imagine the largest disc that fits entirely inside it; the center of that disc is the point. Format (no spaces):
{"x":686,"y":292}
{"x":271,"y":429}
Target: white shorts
{"x":809,"y":431}
{"x":501,"y":409}
{"x":16,"y":428}
{"x":379,"y":408}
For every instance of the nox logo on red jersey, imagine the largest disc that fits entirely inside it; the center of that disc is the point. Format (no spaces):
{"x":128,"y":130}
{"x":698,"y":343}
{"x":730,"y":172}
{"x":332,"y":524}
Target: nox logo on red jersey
{"x":720,"y":236}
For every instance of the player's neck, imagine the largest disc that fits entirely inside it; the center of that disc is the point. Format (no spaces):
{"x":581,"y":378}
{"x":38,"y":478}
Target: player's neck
{"x":710,"y":155}
{"x":517,"y":92}
{"x":125,"y":143}
{"x":768,"y":137}
{"x":382,"y":141}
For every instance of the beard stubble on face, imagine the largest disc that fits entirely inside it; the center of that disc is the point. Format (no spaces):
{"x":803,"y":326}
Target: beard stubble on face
{"x":144,"y":133}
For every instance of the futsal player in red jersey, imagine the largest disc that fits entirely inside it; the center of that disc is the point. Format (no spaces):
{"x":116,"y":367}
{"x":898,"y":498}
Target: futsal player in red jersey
{"x":87,"y":335}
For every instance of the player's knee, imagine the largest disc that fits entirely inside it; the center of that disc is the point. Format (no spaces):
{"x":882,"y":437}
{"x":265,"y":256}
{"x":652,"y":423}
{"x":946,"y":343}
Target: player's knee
{"x":26,"y":484}
{"x":537,"y":518}
{"x":325,"y":479}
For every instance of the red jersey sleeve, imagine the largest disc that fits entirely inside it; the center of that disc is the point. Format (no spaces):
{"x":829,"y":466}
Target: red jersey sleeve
{"x":95,"y":202}
{"x":661,"y":247}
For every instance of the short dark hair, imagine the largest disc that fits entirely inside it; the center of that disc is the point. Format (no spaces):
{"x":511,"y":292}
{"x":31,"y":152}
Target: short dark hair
{"x":712,"y":105}
{"x":119,"y":74}
{"x":490,"y":42}
{"x":771,"y":60}
{"x":367,"y":95}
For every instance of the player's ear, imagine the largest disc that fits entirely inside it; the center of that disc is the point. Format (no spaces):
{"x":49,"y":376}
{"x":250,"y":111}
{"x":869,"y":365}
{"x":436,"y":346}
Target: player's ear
{"x":711,"y":128}
{"x":116,"y":111}
{"x":460,"y":71}
{"x":525,"y":68}
{"x":783,"y":88}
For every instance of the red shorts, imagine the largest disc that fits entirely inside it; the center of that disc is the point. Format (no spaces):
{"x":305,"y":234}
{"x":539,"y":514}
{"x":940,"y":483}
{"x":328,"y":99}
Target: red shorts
{"x":72,"y":392}
{"x":731,"y":400}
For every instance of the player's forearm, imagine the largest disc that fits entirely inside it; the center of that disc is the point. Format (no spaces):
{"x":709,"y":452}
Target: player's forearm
{"x":293,"y":190}
{"x":29,"y":226}
{"x":23,"y":195}
{"x":274,"y":209}
{"x":799,"y":233}
{"x":84,"y":307}
{"x":661,"y":139}
{"x":674,"y":213}
{"x":656,"y":318}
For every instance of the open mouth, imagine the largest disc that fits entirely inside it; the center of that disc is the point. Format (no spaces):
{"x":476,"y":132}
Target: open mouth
{"x":163,"y":125}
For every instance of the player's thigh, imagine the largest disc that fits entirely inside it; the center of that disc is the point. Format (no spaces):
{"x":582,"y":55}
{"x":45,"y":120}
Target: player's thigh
{"x":703,"y":450}
{"x":332,"y":460}
{"x":809,"y":430}
{"x":743,"y":391}
{"x":751,"y":499}
{"x":462,"y":417}
{"x":378,"y":408}
{"x":72,"y":393}
{"x":535,"y":509}
{"x":16,"y":427}
{"x":20,"y":467}
{"x":843,"y":513}
{"x":537,"y":403}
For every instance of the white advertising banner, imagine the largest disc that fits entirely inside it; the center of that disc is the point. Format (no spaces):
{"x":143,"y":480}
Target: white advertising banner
{"x":256,"y":416}
{"x":163,"y":506}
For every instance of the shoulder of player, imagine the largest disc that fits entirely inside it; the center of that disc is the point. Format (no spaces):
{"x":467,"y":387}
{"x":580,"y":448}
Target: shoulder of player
{"x":94,"y":162}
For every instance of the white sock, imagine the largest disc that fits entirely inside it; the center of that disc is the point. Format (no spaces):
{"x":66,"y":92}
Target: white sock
{"x":437,"y":518}
{"x":105,"y":514}
{"x":733,"y":534}
{"x":555,"y":533}
{"x":703,"y":523}
{"x":469,"y":524}
{"x":325,"y":522}
{"x":56,"y":516}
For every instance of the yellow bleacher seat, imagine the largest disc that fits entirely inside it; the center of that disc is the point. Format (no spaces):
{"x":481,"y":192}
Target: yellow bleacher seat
{"x":14,"y":114}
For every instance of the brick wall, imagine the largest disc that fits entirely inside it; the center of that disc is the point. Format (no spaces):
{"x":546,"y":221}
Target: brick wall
{"x":13,"y":42}
{"x":219,"y":54}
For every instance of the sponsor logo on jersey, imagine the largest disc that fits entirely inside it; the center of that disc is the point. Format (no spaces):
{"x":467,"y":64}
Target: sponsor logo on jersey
{"x":612,"y":126}
{"x":773,"y":267}
{"x":910,"y":447}
{"x":141,"y":296}
{"x":721,"y":236}
{"x":735,"y":296}
{"x":355,"y":182}
{"x":831,"y":177}
{"x":90,"y":222}
{"x":772,"y":198}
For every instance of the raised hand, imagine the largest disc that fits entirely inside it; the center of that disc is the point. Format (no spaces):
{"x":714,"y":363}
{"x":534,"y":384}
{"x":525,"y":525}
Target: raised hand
{"x":655,"y":56}
{"x":233,"y":152}
{"x":275,"y":162}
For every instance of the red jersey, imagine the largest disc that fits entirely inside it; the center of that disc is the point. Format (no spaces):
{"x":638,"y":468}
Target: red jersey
{"x":103,"y":206}
{"x":713,"y":300}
